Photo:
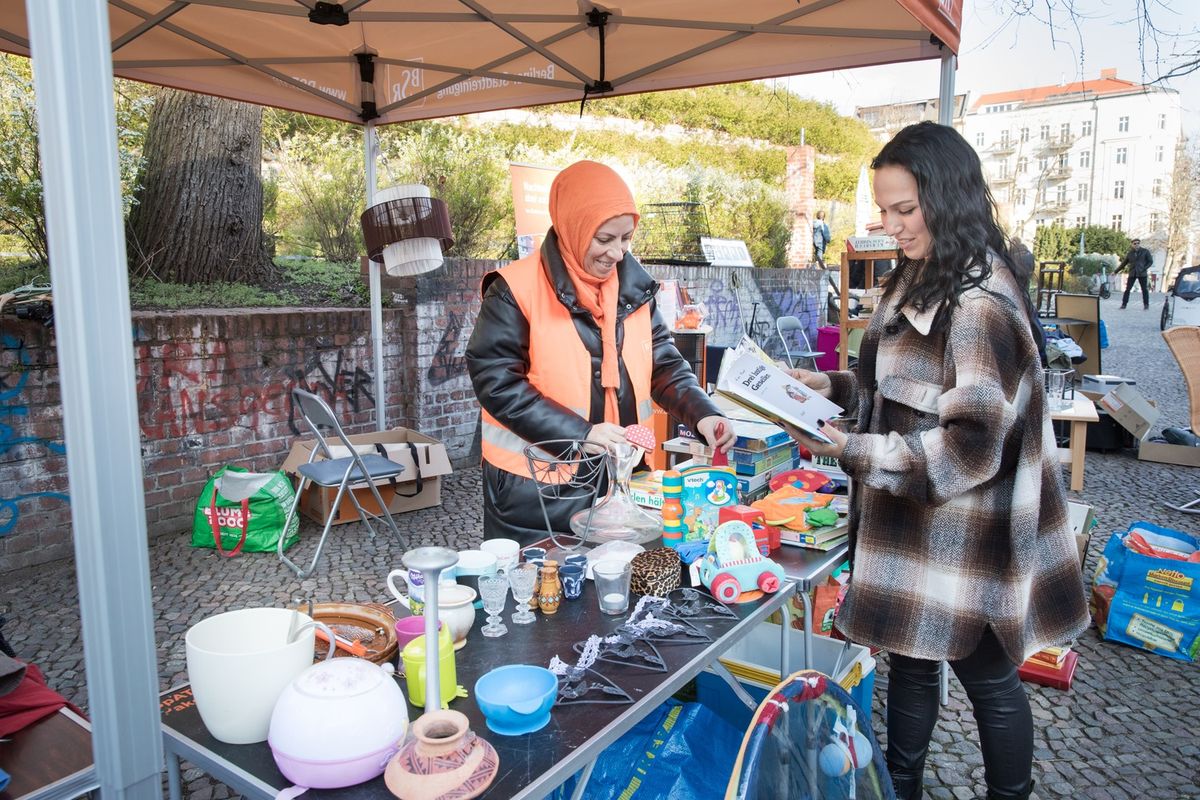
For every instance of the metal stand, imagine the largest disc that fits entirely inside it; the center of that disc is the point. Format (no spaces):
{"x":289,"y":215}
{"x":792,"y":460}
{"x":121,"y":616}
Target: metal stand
{"x":576,"y":473}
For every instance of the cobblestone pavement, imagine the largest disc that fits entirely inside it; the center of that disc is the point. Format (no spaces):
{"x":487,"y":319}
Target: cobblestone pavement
{"x":1126,"y":729}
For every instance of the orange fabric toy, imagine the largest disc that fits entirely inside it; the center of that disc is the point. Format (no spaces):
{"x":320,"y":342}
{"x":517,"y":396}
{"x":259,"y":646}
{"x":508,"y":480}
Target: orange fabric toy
{"x":786,"y":506}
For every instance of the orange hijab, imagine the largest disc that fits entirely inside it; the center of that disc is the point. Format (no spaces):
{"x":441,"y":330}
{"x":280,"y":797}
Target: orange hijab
{"x":583,"y":197}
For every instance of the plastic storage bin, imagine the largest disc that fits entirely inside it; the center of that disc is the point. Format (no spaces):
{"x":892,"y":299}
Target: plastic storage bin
{"x":754,"y":661}
{"x":828,"y":337}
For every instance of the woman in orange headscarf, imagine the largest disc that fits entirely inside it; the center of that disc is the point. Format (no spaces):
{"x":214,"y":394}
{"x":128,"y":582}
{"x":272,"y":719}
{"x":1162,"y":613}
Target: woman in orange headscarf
{"x":569,"y":345}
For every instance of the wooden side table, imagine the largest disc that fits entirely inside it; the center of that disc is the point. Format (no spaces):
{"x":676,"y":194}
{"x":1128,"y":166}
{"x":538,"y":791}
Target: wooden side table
{"x":1081,"y":412}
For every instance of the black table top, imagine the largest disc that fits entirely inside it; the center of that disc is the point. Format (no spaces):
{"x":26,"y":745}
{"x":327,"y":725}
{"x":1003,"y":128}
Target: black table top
{"x":531,"y":765}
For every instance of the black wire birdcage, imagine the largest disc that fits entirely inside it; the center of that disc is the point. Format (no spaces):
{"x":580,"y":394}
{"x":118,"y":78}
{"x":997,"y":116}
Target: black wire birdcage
{"x":669,"y":233}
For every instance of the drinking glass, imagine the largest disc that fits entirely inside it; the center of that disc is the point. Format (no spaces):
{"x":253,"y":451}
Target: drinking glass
{"x":522,"y":578}
{"x":612,"y":585}
{"x":493,"y":589}
{"x":1056,"y":388}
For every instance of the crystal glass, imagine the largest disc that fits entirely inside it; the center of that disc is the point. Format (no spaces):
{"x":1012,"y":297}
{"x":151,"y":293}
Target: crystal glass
{"x":522,"y":577}
{"x":493,"y":589}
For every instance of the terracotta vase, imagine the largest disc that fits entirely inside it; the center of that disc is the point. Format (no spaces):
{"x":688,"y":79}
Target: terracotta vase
{"x":550,"y":589}
{"x":441,"y":759}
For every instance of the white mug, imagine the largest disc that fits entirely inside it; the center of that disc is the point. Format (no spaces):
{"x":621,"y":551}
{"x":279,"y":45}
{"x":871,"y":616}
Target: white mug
{"x":456,"y":607}
{"x":415,"y":582}
{"x":506,"y":551}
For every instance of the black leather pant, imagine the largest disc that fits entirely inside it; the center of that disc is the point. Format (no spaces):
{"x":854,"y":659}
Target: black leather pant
{"x":1129,"y":286}
{"x":1001,"y":710}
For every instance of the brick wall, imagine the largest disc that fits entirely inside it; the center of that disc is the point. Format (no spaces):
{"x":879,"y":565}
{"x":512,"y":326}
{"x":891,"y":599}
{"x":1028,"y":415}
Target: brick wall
{"x":214,"y":387}
{"x":798,"y":189}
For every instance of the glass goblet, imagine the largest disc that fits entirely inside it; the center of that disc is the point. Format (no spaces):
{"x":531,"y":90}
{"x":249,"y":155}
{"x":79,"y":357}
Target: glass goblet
{"x":522,"y":578}
{"x":494,"y":590}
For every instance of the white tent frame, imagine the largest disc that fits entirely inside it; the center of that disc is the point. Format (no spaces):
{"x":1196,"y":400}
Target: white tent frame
{"x":69,"y":43}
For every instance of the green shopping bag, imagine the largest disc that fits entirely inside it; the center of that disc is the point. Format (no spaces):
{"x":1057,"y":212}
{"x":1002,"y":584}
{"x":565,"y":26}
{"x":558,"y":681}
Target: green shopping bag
{"x":240,"y":510}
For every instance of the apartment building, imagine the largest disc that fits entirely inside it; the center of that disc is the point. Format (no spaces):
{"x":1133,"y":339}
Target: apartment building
{"x":1094,"y":152}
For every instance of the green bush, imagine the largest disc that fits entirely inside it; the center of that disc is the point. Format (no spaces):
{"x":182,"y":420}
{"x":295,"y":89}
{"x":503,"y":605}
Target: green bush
{"x":1090,"y":264}
{"x":150,"y":293}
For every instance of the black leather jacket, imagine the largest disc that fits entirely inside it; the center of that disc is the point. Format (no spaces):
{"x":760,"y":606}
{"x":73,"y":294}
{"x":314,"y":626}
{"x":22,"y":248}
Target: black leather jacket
{"x":498,"y":361}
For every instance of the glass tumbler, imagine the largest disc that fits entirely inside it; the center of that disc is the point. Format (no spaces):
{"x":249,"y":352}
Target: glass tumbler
{"x":612,"y":585}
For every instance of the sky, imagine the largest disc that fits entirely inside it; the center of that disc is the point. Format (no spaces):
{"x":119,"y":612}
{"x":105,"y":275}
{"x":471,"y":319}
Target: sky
{"x":1001,"y":52}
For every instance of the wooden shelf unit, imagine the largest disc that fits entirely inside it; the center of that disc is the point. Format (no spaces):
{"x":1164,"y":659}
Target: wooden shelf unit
{"x":845,"y":323}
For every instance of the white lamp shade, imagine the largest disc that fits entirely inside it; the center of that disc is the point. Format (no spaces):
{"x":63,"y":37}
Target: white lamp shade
{"x":416,"y":255}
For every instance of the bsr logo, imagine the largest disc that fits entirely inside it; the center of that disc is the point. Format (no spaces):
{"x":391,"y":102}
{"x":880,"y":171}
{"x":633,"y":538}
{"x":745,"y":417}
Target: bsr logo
{"x":228,"y":517}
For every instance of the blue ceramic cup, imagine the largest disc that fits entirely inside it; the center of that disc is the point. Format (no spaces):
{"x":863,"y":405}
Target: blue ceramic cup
{"x":572,"y":581}
{"x":577,"y":560}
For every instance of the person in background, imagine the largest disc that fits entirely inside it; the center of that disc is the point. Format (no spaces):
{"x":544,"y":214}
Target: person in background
{"x":569,"y":345}
{"x":960,"y":543}
{"x":821,"y":238}
{"x":1139,"y":261}
{"x":1022,"y":255}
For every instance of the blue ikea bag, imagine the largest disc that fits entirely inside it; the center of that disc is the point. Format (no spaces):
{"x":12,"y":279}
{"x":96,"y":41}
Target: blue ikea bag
{"x":1156,"y":602}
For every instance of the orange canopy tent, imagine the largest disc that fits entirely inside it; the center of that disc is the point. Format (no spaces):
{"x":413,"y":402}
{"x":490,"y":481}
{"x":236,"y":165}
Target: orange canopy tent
{"x":371,"y":61}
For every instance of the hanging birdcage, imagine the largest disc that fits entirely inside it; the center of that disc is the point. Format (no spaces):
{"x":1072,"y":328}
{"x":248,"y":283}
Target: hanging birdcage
{"x":669,"y":233}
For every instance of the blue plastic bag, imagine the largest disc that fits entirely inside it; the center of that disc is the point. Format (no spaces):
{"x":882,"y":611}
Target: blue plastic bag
{"x":681,"y":751}
{"x":1103,"y":335}
{"x":1156,"y":602}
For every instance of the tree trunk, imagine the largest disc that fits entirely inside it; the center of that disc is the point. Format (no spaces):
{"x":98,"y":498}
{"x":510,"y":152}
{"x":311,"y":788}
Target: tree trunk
{"x":198,"y":212}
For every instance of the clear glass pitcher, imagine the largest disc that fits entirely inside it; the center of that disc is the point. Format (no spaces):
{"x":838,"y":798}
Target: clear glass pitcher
{"x":616,"y":517}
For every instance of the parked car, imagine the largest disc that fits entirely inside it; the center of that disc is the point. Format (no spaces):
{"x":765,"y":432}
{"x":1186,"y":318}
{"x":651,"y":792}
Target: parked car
{"x":1182,"y":303}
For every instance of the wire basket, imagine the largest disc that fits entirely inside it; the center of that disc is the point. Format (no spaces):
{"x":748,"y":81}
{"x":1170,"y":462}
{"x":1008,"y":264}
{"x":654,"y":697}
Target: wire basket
{"x":669,"y":233}
{"x":576,"y":474}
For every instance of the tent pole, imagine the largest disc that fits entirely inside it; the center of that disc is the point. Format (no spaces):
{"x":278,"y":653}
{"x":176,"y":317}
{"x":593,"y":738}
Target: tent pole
{"x":69,"y":42}
{"x":946,"y":89}
{"x":370,"y":151}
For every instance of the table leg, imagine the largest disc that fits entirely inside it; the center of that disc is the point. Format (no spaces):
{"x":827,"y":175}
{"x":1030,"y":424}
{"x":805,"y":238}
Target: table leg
{"x":174,"y":783}
{"x":739,"y":691}
{"x":785,"y":643}
{"x":584,"y":776}
{"x":1078,"y":444}
{"x":808,"y":628}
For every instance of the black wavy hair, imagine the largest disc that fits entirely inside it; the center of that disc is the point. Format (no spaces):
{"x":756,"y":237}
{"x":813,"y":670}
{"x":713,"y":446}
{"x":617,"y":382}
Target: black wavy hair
{"x":960,"y":215}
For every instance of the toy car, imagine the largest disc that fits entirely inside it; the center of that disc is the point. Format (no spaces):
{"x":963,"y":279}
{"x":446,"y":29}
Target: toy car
{"x":733,"y":564}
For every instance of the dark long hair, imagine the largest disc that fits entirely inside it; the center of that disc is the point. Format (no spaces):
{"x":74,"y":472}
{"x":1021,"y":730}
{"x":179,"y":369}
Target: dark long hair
{"x":961,"y":217}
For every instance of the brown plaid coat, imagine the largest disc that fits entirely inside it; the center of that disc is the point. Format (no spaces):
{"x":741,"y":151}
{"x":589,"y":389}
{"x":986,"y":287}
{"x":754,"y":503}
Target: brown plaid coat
{"x":958,"y":518}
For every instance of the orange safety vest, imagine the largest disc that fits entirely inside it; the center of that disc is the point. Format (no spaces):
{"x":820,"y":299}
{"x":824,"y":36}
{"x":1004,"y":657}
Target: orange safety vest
{"x":560,"y":366}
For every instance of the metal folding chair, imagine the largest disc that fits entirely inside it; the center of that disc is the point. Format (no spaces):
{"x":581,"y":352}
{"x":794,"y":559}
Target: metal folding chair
{"x":789,"y":324}
{"x":347,"y":472}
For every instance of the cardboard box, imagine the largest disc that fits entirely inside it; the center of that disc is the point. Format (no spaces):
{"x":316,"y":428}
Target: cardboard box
{"x":430,"y":458}
{"x":1167,"y":453}
{"x":1081,"y":517}
{"x":1130,"y":410}
{"x":1103,"y":384}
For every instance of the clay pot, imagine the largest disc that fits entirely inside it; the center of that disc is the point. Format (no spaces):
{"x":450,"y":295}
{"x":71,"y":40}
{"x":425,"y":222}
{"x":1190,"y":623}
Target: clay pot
{"x":441,"y":758}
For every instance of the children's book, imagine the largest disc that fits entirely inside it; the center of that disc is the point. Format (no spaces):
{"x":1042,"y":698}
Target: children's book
{"x":749,"y":380}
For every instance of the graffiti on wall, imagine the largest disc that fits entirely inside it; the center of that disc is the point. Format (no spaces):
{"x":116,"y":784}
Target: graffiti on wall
{"x":449,"y":359}
{"x":195,"y":394}
{"x":12,"y":386}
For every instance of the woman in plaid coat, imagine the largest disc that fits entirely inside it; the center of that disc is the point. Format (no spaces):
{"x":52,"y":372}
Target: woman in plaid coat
{"x":960,"y":542}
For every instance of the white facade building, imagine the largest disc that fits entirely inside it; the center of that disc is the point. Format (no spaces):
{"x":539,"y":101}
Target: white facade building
{"x":1098,"y":152}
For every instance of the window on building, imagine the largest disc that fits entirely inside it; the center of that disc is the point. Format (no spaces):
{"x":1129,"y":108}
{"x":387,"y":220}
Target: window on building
{"x":1024,"y":134}
{"x":1154,"y":220}
{"x":1117,"y":222}
{"x":1123,"y":125}
{"x":1081,"y":192}
{"x":1162,"y":122}
{"x":1044,"y":133}
{"x":1158,"y":154}
{"x":1022,"y":165}
{"x":1118,"y":190}
{"x":1085,"y":158}
{"x":1002,"y":169}
{"x":1043,"y":162}
{"x":1004,"y":137}
{"x":1087,"y":127}
{"x":1041,"y":223}
{"x":1156,"y":190}
{"x":1064,"y":160}
{"x":1022,"y":197}
{"x":1062,"y":193}
{"x":1041,"y":196}
{"x":1064,"y":132}
{"x":979,"y":139}
{"x":1060,"y":222}
{"x":1080,"y":222}
{"x":1122,"y":155}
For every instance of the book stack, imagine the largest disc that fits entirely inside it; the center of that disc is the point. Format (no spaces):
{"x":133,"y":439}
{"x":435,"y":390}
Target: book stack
{"x":753,"y":460}
{"x":1050,"y":666}
{"x":818,"y":538}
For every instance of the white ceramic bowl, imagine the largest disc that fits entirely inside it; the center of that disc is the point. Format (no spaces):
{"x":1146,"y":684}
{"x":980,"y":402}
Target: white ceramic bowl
{"x":338,"y":724}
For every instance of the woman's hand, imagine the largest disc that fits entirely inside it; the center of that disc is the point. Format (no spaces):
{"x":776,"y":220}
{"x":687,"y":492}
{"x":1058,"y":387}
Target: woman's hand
{"x":817,"y":381}
{"x":606,"y":434}
{"x":816,"y":446}
{"x":707,"y":428}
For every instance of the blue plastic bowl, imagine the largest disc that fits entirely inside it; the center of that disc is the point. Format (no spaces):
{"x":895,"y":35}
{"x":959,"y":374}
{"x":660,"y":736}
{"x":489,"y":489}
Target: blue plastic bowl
{"x":516,"y":699}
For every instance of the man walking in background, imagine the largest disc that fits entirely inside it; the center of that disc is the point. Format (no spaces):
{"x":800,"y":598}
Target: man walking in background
{"x":1139,"y":260}
{"x":821,"y":238}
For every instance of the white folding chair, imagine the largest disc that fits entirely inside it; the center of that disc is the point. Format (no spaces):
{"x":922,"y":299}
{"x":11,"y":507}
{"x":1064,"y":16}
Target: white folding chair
{"x":786,"y":325}
{"x":347,"y":472}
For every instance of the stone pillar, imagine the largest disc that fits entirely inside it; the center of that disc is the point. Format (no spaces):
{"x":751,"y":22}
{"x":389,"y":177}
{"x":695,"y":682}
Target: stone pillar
{"x":798,"y":188}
